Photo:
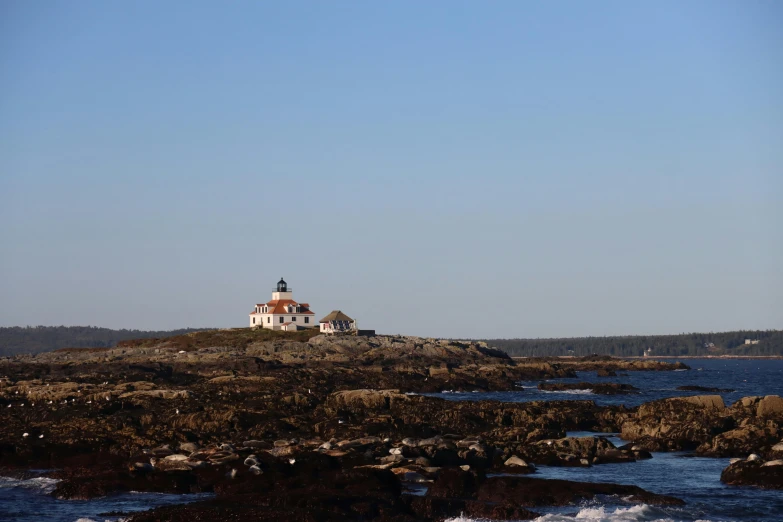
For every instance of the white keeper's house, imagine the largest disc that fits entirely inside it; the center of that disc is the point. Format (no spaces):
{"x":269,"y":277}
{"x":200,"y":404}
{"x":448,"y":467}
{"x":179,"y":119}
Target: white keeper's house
{"x":282,"y":312}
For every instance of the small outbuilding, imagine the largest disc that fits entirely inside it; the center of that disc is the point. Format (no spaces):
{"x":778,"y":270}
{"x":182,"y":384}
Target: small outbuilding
{"x":337,"y":322}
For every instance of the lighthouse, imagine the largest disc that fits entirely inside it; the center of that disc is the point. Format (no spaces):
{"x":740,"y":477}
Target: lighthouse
{"x":282,"y":312}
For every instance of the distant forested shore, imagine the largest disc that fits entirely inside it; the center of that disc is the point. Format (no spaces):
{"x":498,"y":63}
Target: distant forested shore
{"x":36,"y":339}
{"x":740,"y":343}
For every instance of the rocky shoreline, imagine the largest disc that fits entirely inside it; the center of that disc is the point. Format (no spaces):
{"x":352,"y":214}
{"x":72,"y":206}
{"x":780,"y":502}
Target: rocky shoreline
{"x":333,"y":428}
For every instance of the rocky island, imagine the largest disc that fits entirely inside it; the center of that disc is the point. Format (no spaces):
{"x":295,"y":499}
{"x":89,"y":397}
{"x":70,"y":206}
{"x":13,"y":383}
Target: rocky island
{"x":299,"y":426}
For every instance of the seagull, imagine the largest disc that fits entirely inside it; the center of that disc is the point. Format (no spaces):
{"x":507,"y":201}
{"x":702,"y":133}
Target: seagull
{"x":9,"y":405}
{"x":177,"y":411}
{"x":25,"y":434}
{"x":89,"y":402}
{"x":40,"y":436}
{"x":107,"y":397}
{"x":291,"y":461}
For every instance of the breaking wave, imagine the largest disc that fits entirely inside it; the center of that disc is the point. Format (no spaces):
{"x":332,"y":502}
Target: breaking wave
{"x":638,"y":513}
{"x":568,"y":392}
{"x":43,"y":484}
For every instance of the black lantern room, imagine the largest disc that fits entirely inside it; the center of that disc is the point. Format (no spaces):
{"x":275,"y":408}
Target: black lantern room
{"x":282,"y":286}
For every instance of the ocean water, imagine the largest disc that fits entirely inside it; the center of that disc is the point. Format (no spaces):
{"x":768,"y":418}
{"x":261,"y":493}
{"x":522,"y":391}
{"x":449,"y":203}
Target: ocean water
{"x":29,"y":500}
{"x":696,"y":480}
{"x":746,"y":376}
{"x":693,"y":479}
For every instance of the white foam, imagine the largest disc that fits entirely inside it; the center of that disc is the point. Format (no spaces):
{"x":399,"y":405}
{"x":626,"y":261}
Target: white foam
{"x":44,"y":484}
{"x":638,"y":513}
{"x":569,"y":392}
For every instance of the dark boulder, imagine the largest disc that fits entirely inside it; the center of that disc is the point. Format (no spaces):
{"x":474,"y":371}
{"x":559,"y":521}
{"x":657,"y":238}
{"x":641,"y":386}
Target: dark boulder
{"x":702,"y":389}
{"x":598,"y":388}
{"x":532,"y":492}
{"x":754,"y":473}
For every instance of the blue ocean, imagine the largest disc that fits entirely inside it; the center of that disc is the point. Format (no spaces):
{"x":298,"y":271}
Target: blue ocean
{"x":693,"y":479}
{"x":696,"y":480}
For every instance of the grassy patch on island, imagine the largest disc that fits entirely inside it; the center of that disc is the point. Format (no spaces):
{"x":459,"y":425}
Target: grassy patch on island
{"x":229,"y":337}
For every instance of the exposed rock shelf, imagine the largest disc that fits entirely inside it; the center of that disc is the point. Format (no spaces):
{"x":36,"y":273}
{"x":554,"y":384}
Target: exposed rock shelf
{"x":609,"y":388}
{"x":333,"y":425}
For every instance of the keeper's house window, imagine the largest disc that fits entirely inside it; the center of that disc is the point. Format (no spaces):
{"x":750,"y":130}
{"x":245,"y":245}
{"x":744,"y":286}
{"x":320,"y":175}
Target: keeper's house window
{"x":293,"y":319}
{"x":254,"y":320}
{"x":307,"y":319}
{"x":281,"y":319}
{"x":268,"y":319}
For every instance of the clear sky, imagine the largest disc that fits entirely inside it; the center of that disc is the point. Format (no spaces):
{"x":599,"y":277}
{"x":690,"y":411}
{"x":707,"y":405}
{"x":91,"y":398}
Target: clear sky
{"x":459,"y":169}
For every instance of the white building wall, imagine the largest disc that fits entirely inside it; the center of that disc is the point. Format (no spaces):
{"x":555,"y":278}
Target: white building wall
{"x":327,"y":327}
{"x":275,"y":323}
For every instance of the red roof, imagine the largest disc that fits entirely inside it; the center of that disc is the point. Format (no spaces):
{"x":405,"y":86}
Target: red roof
{"x":279,"y":307}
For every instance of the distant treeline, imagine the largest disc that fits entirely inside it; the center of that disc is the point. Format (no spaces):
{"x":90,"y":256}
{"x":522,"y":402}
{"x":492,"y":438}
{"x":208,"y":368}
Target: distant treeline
{"x":36,"y":339}
{"x":770,"y":342}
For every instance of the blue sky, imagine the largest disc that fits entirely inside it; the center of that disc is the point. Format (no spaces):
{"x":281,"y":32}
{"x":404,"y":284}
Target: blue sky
{"x":460,"y":169}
